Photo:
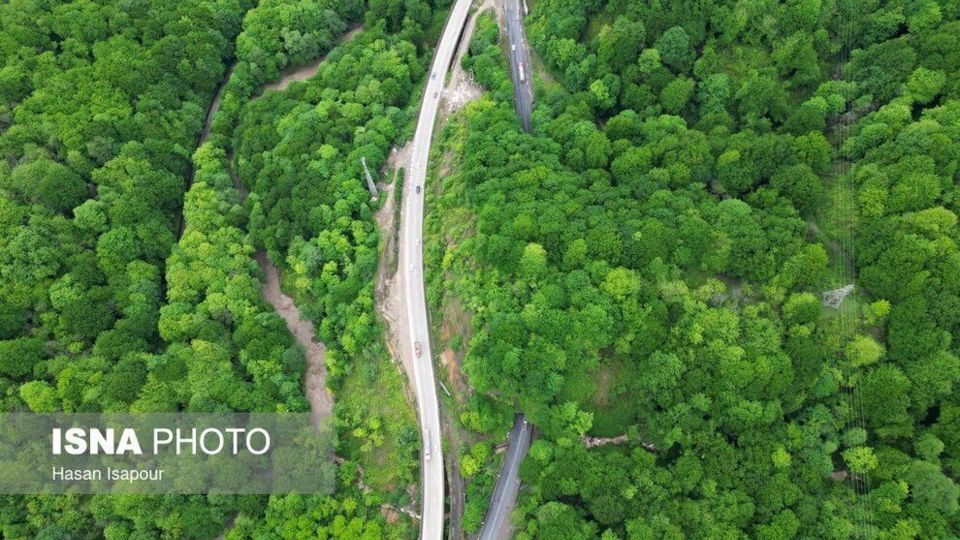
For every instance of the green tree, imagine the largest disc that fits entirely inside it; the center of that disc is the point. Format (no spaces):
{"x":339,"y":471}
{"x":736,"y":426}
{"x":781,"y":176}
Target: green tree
{"x":860,"y":460}
{"x":799,"y":184}
{"x":621,"y":43}
{"x":674,"y":48}
{"x":863,"y":351}
{"x":49,"y":183}
{"x":925,"y":84}
{"x":803,"y":308}
{"x":39,"y":396}
{"x":18,"y":356}
{"x":675,"y":95}
{"x":929,"y":486}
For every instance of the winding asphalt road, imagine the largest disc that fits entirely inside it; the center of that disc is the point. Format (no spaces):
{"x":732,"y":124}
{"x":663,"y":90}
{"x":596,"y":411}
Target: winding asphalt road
{"x":497,"y":523}
{"x":411,"y":279}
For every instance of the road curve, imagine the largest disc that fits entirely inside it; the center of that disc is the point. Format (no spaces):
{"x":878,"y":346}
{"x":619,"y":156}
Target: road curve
{"x":496,"y":525}
{"x":411,"y":279}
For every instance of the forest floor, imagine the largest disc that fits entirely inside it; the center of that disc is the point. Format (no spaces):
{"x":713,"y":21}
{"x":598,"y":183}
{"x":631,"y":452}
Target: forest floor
{"x":315,"y":387}
{"x":204,"y":134}
{"x":837,"y":219}
{"x":460,"y":90}
{"x":833,"y":224}
{"x":454,"y":321}
{"x":385,"y":399}
{"x":214,"y":107}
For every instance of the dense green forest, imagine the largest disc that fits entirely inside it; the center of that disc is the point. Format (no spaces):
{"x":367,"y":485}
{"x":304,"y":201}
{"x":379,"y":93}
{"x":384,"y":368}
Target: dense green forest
{"x":645,"y":266}
{"x":649,"y":261}
{"x":127,"y":276}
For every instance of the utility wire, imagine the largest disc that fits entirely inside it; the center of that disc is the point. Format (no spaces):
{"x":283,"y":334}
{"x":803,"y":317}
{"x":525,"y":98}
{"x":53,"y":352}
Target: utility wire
{"x":845,"y":212}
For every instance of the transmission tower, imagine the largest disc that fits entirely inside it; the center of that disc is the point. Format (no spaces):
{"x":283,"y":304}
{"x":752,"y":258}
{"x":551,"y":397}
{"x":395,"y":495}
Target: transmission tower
{"x":370,"y":183}
{"x":835,"y":297}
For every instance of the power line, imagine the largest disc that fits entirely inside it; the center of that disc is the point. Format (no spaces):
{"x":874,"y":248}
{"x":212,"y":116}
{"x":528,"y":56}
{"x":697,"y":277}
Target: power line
{"x":848,"y":323}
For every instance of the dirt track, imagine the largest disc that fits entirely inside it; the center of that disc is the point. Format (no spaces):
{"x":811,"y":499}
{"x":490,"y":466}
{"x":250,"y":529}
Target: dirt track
{"x":303,"y":73}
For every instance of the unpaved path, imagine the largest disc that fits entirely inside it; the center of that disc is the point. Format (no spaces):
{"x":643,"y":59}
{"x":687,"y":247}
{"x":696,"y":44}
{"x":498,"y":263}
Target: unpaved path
{"x":315,"y":387}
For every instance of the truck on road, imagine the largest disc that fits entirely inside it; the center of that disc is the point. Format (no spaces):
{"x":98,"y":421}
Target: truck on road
{"x":417,"y":349}
{"x":520,"y":68}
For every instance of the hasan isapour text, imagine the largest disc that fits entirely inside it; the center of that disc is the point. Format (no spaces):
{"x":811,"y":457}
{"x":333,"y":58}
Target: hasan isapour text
{"x":63,"y":474}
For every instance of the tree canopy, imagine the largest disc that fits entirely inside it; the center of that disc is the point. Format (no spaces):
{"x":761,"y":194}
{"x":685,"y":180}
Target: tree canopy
{"x":649,"y":260}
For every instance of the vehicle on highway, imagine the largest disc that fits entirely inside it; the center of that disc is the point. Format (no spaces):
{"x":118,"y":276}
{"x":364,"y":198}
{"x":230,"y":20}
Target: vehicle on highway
{"x":513,"y":47}
{"x":417,"y":349}
{"x":522,"y":77}
{"x":426,"y":445}
{"x":433,"y":75}
{"x":418,"y":188}
{"x":435,"y":95}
